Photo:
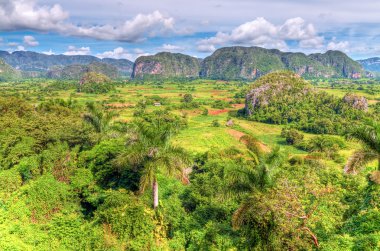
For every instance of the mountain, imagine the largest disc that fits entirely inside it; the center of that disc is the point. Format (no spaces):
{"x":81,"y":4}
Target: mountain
{"x":7,"y":72}
{"x":252,"y":62}
{"x":77,"y":71}
{"x":371,"y":64}
{"x":166,"y":65}
{"x":342,"y":65}
{"x":37,"y":62}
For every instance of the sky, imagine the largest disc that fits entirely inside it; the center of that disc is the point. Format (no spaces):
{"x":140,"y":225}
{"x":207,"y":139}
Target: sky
{"x":132,"y":28}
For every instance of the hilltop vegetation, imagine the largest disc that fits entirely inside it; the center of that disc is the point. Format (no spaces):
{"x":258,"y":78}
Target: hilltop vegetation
{"x":229,"y":63}
{"x":75,"y":72}
{"x":7,"y":72}
{"x":285,"y":98}
{"x":166,"y":65}
{"x":93,"y":82}
{"x":252,"y":62}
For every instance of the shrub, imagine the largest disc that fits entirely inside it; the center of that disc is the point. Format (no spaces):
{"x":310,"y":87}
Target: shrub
{"x":292,"y":136}
{"x":215,"y":123}
{"x":187,"y":98}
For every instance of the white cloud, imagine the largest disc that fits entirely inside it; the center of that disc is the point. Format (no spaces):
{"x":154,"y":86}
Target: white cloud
{"x":72,"y":50}
{"x":121,"y":53}
{"x":312,"y":43}
{"x":30,"y":41}
{"x":20,"y":48}
{"x":171,"y":48}
{"x":49,"y":52}
{"x":118,"y":53}
{"x":339,"y":46}
{"x":13,"y":44}
{"x":26,"y":14}
{"x":205,"y":47}
{"x":260,"y":32}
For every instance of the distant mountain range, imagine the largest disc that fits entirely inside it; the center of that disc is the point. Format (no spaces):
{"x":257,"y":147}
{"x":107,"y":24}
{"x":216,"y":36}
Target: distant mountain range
{"x":248,"y":63}
{"x":371,"y":64}
{"x":38,"y":64}
{"x":227,"y":63}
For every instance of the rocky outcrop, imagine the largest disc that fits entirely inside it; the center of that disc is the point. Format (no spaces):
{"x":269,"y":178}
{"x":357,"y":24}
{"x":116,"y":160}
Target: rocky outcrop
{"x":355,"y":101}
{"x":275,"y":86}
{"x":253,"y":62}
{"x":166,"y":65}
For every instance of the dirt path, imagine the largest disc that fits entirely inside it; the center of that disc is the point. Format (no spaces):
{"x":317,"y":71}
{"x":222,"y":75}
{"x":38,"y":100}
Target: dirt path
{"x":237,"y":135}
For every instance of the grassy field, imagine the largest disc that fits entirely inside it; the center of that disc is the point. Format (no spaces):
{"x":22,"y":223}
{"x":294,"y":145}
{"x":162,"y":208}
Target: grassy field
{"x":200,"y":136}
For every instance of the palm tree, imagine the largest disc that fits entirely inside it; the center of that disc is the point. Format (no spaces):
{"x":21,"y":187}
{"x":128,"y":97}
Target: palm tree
{"x":369,"y":135}
{"x":98,"y":118}
{"x":257,"y":177}
{"x":250,"y":183}
{"x":149,"y":151}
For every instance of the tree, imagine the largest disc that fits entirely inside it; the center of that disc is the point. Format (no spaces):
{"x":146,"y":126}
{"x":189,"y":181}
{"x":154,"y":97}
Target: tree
{"x":272,"y":218}
{"x":292,"y":136}
{"x":369,"y":136}
{"x":187,"y":98}
{"x":99,"y":119}
{"x":257,"y":177}
{"x":149,"y":150}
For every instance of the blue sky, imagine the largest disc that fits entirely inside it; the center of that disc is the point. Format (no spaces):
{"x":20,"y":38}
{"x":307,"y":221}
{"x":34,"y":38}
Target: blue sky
{"x":128,"y":29}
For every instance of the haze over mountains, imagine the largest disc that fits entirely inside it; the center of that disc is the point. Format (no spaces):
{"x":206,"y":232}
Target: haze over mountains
{"x":226,"y":63}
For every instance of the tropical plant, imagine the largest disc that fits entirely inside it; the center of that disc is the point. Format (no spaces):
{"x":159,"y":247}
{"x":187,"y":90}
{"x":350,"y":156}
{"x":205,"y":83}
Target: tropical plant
{"x":99,"y":118}
{"x":149,"y":150}
{"x":256,"y":177}
{"x":369,"y":136}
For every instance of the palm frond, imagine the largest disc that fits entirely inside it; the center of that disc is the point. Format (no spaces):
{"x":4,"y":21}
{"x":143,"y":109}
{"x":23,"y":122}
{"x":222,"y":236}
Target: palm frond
{"x":242,"y":214}
{"x":367,"y":134}
{"x":358,"y":159}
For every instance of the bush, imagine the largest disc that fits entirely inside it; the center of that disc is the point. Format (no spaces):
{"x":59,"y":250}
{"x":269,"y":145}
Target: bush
{"x":187,"y":98}
{"x":215,"y":123}
{"x":128,"y":219}
{"x":292,"y":136}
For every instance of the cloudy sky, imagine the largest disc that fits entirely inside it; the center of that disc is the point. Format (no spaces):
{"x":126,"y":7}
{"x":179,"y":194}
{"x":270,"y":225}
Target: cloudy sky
{"x":130,"y":28}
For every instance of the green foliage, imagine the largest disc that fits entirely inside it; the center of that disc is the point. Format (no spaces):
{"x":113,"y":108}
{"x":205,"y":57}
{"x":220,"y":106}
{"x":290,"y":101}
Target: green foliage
{"x":187,"y":98}
{"x":10,"y":181}
{"x":219,"y":104}
{"x":166,"y":65}
{"x":72,"y":184}
{"x":285,"y":98}
{"x":215,"y":123}
{"x":292,"y":136}
{"x":93,"y":82}
{"x":45,"y":197}
{"x":129,"y":219}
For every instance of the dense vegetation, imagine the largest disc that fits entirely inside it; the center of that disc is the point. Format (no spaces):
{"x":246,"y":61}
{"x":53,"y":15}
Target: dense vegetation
{"x":169,"y":166}
{"x":306,"y":109}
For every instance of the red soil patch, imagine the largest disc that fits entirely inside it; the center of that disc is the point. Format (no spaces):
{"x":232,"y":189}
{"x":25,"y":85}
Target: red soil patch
{"x":238,"y":106}
{"x":216,"y":112}
{"x":236,"y":134}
